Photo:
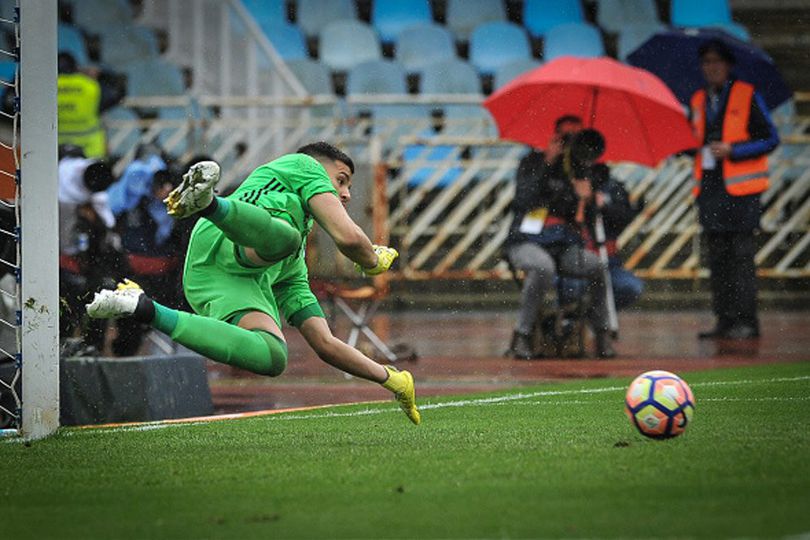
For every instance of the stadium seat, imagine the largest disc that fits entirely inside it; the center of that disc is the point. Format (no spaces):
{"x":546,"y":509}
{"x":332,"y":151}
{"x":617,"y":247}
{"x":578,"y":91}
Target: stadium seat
{"x":286,"y":38}
{"x":121,"y":139}
{"x":124,"y":44}
{"x":633,"y":35}
{"x":7,"y":71}
{"x":453,"y":76}
{"x":71,"y":41}
{"x":509,"y":71}
{"x":174,"y":138}
{"x":464,"y":15}
{"x":315,"y":15}
{"x":495,"y":44}
{"x":317,"y":81}
{"x":267,"y":11}
{"x":344,"y":44}
{"x":391,"y":17}
{"x":699,"y":12}
{"x":313,"y":75}
{"x":95,"y":15}
{"x":424,"y":44}
{"x":573,"y":39}
{"x":735,"y":29}
{"x":615,"y":16}
{"x":539,"y":16}
{"x":154,"y":77}
{"x":377,"y":77}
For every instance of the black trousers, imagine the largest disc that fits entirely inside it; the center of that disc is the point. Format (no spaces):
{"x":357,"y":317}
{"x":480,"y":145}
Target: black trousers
{"x":733,"y":277}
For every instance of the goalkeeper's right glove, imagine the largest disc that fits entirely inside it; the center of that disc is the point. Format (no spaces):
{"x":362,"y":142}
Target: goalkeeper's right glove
{"x":385,"y":258}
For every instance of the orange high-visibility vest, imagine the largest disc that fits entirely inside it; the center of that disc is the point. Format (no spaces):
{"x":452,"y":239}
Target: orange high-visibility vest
{"x":744,"y":177}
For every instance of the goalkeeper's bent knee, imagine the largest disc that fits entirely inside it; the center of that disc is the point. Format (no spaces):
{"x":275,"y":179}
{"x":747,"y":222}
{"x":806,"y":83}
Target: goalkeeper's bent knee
{"x":276,"y":354}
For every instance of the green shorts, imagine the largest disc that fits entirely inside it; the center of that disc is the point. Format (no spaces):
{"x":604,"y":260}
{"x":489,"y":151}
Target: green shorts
{"x":217,"y":285}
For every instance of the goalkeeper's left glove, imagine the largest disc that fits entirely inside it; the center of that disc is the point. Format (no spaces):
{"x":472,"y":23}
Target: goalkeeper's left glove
{"x":385,"y":258}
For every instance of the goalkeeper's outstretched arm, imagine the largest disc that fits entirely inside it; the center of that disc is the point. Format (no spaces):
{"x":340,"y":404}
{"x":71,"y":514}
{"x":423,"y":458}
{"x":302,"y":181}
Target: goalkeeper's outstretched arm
{"x":348,"y":236}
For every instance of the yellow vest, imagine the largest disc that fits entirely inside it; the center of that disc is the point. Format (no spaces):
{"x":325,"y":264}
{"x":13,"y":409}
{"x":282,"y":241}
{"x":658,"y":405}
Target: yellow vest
{"x":79,"y":98}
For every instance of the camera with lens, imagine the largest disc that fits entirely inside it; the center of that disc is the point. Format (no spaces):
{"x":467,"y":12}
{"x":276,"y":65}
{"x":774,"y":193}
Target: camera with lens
{"x":582,"y":149}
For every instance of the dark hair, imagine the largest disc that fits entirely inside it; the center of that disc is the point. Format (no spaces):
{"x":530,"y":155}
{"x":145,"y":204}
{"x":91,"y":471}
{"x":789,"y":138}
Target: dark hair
{"x":565,"y":119}
{"x":66,"y":63}
{"x":587,"y":145}
{"x":717,"y":46}
{"x":98,"y":176}
{"x":324,"y":150}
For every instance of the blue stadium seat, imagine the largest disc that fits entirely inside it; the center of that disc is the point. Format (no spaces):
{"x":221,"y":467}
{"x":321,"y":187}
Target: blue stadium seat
{"x":616,"y":15}
{"x":123,"y":44}
{"x":424,"y":44}
{"x":573,"y":39}
{"x":699,"y":12}
{"x":391,"y":17}
{"x":453,"y":76}
{"x":315,"y":15}
{"x":265,"y":11}
{"x":495,"y":44}
{"x":344,"y":44}
{"x":539,"y":16}
{"x":95,"y":15}
{"x":71,"y":41}
{"x":122,"y":139}
{"x":7,"y":70}
{"x":178,"y":116}
{"x":316,"y":80}
{"x":7,"y":9}
{"x":633,"y":35}
{"x":314,"y":76}
{"x":154,"y":77}
{"x":377,"y":77}
{"x":513,"y":69}
{"x":464,"y":15}
{"x":735,"y":29}
{"x":287,"y":39}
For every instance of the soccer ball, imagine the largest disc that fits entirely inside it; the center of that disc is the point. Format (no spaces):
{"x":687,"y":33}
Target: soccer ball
{"x":660,"y":404}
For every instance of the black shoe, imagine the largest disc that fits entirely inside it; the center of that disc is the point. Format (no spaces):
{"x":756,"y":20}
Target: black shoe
{"x":521,"y":348}
{"x":741,"y":331}
{"x":604,"y":347}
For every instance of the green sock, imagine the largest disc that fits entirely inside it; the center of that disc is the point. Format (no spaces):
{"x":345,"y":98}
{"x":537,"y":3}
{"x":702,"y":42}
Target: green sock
{"x":247,"y":225}
{"x":254,"y":350}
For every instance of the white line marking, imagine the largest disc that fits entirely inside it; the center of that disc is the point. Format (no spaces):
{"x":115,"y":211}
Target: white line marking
{"x":496,"y":400}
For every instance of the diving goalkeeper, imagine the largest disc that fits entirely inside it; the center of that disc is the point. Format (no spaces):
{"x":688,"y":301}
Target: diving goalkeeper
{"x":245,"y":263}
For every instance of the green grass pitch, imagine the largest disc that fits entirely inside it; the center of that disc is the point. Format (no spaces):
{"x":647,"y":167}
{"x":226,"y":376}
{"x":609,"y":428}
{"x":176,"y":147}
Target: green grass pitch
{"x":556,"y":460}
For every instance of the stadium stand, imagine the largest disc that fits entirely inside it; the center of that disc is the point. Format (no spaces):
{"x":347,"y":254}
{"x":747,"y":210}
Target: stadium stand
{"x":313,"y":75}
{"x":614,"y":16}
{"x":154,"y":77}
{"x":346,"y":43}
{"x":315,"y":15}
{"x":573,"y":39}
{"x":464,"y":15}
{"x":122,"y":139}
{"x":391,"y":17}
{"x":7,"y":70}
{"x":495,"y":44}
{"x":424,"y":44}
{"x":539,"y":16}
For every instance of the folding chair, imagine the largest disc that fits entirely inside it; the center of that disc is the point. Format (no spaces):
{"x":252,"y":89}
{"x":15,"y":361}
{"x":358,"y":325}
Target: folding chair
{"x":360,"y":305}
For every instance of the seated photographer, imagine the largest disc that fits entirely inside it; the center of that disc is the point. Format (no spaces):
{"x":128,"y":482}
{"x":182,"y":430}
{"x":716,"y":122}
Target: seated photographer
{"x":553,"y":198}
{"x":617,"y":211}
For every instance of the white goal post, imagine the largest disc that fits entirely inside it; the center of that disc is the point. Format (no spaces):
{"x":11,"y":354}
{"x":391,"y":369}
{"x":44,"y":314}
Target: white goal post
{"x":39,"y":250}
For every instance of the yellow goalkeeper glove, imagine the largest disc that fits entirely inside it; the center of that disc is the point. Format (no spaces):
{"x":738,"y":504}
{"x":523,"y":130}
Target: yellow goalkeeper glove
{"x":385,"y":258}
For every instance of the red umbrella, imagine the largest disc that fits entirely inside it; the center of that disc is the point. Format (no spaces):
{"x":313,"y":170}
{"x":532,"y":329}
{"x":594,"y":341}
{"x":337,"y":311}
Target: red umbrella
{"x":641,"y":119}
